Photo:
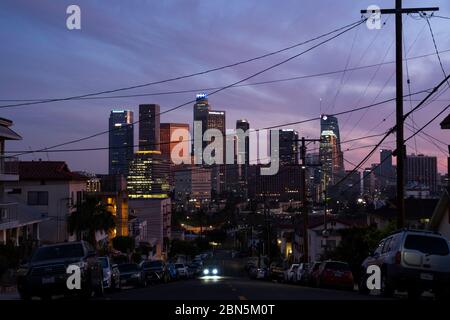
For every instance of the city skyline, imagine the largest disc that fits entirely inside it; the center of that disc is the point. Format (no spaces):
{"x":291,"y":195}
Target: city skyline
{"x":309,"y":96}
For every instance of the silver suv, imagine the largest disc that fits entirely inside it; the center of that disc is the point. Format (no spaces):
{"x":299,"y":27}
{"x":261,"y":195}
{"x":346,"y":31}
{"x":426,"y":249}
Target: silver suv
{"x":412,"y":261}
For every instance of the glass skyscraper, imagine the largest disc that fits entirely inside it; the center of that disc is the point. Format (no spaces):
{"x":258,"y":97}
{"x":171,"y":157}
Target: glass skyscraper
{"x":121,"y":137}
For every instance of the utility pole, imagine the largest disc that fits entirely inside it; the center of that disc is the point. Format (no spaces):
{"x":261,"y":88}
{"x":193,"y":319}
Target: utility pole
{"x":400,"y":148}
{"x":304,"y":198}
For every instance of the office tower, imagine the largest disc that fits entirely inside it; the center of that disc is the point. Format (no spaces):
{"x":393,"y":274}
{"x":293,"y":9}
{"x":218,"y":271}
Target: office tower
{"x":149,"y":127}
{"x":121,"y":137}
{"x":421,"y":170}
{"x":244,"y":155}
{"x":368,"y":182}
{"x":352,"y":184}
{"x":329,"y":158}
{"x":201,"y":109}
{"x":330,"y":123}
{"x":216,"y":120}
{"x":168,"y":142}
{"x":288,"y":147}
{"x":385,"y":169}
{"x":282,"y":186}
{"x":148,"y":177}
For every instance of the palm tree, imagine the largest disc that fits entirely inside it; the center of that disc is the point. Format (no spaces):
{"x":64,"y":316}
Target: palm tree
{"x":89,"y":217}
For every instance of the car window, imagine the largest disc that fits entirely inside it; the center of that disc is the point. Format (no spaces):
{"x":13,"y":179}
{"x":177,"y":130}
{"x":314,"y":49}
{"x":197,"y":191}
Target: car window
{"x":337,"y":266}
{"x":379,"y":248}
{"x":59,"y":252}
{"x":104,"y":262}
{"x":179,"y":265}
{"x":386,"y":245}
{"x":427,"y":244}
{"x":128,"y":267}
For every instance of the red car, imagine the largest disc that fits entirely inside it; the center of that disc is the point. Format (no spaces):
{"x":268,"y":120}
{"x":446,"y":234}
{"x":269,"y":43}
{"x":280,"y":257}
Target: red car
{"x":334,"y":274}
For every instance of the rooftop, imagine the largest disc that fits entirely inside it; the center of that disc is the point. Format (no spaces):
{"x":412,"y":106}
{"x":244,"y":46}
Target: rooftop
{"x":47,"y":170}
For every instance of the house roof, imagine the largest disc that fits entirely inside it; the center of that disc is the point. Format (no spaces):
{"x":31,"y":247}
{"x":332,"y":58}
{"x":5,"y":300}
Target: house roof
{"x":48,"y":170}
{"x":26,"y":215}
{"x":414,"y":208}
{"x":318,"y":220}
{"x":445,"y":124}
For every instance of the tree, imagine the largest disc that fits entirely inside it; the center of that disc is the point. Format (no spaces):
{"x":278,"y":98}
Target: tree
{"x":89,"y":217}
{"x":123,"y":244}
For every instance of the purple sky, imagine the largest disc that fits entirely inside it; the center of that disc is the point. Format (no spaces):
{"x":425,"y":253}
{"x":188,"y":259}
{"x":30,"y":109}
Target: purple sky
{"x":124,"y":43}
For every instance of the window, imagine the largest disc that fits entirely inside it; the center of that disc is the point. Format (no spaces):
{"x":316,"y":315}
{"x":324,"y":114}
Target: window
{"x":37,"y":198}
{"x":427,"y":244}
{"x":386,"y":246}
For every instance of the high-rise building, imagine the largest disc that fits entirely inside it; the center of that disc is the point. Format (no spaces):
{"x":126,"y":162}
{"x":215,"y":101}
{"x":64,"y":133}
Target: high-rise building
{"x":329,"y":158}
{"x":148,"y":177}
{"x":422,"y":170}
{"x":243,"y":155}
{"x":385,"y":169}
{"x":121,"y":137}
{"x":330,"y":123}
{"x":288,"y":147}
{"x":201,"y":109}
{"x":352,"y":184}
{"x":168,"y":142}
{"x":149,"y":127}
{"x":368,"y":182}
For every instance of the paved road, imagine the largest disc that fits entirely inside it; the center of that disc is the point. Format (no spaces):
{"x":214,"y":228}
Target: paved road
{"x":233,"y":288}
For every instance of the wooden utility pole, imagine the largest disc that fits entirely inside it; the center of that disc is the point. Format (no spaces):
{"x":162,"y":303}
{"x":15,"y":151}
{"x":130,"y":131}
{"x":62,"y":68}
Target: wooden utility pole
{"x":400,"y":148}
{"x":304,"y":198}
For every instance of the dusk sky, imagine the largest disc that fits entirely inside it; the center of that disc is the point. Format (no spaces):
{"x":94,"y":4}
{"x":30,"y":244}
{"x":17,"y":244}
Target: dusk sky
{"x":125,"y":43}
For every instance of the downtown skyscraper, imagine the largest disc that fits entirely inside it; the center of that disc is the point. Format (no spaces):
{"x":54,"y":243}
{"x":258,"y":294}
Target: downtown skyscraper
{"x":121,"y":137}
{"x":330,"y":149}
{"x":149,"y":125}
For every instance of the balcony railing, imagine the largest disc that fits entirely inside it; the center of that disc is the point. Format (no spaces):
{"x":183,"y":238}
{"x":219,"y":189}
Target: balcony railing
{"x":9,"y":165}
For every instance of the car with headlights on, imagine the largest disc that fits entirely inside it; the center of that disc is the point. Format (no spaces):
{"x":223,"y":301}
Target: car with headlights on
{"x":211,"y":270}
{"x":47,"y":271}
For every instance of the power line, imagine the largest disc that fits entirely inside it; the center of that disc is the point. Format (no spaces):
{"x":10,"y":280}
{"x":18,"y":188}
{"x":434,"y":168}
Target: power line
{"x":218,"y":90}
{"x":171,"y":92}
{"x":395,"y":127}
{"x":49,"y":149}
{"x":435,"y":46}
{"x":351,"y":25}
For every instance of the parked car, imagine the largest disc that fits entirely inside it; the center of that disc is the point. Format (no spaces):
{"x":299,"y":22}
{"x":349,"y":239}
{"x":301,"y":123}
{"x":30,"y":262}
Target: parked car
{"x":301,"y":274}
{"x":155,"y":271}
{"x":276,"y":271}
{"x":412,"y":261}
{"x":182,"y":270}
{"x":173,"y":274}
{"x":46,"y":272}
{"x":334,"y":274}
{"x":131,"y":275}
{"x":312,"y":273}
{"x":111,"y":274}
{"x":291,"y":273}
{"x":195,"y":269}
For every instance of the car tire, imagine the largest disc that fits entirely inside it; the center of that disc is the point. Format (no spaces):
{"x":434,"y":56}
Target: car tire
{"x":442,"y":294}
{"x":362,"y":286}
{"x":387,"y":290}
{"x":414,"y":293}
{"x":99,"y":289}
{"x":25,"y":296}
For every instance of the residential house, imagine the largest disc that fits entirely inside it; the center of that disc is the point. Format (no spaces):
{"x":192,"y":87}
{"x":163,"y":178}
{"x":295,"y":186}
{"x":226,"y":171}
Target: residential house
{"x":50,"y":188}
{"x":18,"y":224}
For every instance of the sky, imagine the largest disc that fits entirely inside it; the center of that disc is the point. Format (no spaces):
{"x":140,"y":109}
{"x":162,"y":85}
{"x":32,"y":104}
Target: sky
{"x":125,"y":43}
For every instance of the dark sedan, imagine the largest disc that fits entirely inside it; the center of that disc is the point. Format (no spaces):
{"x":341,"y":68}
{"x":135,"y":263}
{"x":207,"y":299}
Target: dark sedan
{"x":131,"y":274}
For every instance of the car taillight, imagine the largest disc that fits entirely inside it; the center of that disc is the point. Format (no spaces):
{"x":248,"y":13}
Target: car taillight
{"x":348,"y":274}
{"x":398,"y":257}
